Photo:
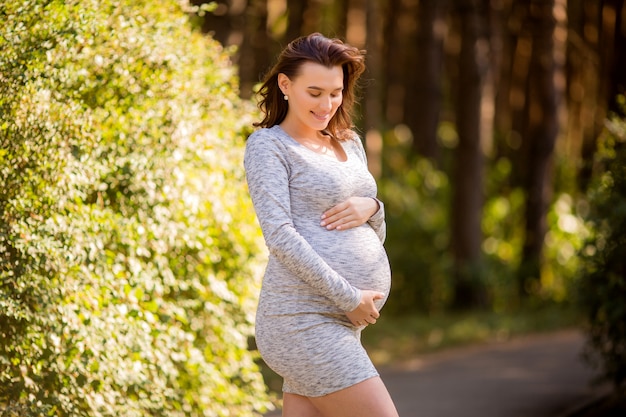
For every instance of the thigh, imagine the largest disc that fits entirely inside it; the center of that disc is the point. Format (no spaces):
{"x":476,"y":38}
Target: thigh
{"x":298,"y":406}
{"x":369,"y":398}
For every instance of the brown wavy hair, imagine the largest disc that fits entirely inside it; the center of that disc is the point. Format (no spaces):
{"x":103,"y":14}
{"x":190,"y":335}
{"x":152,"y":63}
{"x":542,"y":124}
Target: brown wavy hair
{"x":322,"y":50}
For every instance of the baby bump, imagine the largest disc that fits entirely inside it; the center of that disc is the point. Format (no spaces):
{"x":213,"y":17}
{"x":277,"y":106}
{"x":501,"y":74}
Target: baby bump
{"x":356,"y":254}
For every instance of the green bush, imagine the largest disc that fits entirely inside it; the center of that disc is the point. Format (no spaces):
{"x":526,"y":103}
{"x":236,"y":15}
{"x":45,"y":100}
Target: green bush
{"x":129,"y":253}
{"x":503,"y":230}
{"x":603,"y":279}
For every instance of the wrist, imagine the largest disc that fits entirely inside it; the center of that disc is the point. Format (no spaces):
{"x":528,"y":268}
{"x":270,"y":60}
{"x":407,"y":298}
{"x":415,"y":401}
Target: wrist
{"x":376,"y":206}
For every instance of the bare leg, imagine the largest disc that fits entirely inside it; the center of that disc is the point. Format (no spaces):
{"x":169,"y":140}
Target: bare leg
{"x":369,"y":398}
{"x":298,"y":406}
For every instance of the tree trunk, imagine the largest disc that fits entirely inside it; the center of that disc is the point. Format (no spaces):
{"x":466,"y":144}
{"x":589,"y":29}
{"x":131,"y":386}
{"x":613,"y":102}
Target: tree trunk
{"x":373,"y":93}
{"x":502,"y":53}
{"x":392,"y":109}
{"x":408,"y":32}
{"x":254,"y":59}
{"x":521,"y":39}
{"x":613,"y":53}
{"x":542,"y":128}
{"x":425,"y":84}
{"x":467,"y":194}
{"x":342,"y":9}
{"x":399,"y":57}
{"x":583,"y":76}
{"x":313,"y":18}
{"x":295,"y":19}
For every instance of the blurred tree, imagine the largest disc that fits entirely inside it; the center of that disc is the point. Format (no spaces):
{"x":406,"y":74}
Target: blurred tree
{"x":517,"y":73}
{"x":502,"y":43}
{"x":613,"y":54}
{"x":425,"y":82}
{"x":374,"y":86}
{"x":295,"y":18}
{"x":253,"y":57}
{"x":546,"y":21}
{"x":467,"y":177}
{"x":399,"y":50}
{"x":583,"y":85}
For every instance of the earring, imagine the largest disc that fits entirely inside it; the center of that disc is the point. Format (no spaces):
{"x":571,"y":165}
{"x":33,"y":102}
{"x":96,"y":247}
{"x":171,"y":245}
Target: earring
{"x":286,"y":97}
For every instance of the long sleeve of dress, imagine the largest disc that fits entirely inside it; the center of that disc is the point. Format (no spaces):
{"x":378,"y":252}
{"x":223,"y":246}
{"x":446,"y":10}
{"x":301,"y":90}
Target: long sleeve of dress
{"x":377,"y":221}
{"x":267,"y":173}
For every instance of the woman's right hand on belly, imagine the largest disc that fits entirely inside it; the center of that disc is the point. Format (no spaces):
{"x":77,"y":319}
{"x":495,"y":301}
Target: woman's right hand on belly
{"x":366,"y":313}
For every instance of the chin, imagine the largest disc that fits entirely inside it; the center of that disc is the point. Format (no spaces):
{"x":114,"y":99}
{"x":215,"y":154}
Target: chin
{"x":321,"y":125}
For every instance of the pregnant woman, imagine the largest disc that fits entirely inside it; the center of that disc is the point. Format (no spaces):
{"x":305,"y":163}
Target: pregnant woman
{"x":328,"y":274}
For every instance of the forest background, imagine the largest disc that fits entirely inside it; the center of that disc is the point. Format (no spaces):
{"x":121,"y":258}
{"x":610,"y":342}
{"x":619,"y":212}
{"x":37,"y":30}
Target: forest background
{"x":481,"y":120}
{"x":495,"y":129}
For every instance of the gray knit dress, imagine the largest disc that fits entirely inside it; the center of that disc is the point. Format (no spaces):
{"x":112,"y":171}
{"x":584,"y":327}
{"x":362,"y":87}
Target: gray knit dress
{"x":313,"y":275}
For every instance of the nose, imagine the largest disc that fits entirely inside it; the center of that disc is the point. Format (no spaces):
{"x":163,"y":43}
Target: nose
{"x":326,"y":103}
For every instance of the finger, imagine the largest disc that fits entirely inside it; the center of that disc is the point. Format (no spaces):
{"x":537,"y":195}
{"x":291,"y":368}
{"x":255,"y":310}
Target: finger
{"x":336,"y":216}
{"x":345,"y":225}
{"x":374,"y":312}
{"x":334,"y":210}
{"x":340,"y":223}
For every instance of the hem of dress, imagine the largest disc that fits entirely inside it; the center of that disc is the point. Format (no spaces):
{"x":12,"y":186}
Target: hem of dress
{"x":334,"y":389}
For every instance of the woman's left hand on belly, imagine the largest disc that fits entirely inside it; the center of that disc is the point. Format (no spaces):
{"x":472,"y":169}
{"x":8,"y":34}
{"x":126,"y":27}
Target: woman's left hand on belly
{"x":353,"y":212}
{"x":366,"y":313}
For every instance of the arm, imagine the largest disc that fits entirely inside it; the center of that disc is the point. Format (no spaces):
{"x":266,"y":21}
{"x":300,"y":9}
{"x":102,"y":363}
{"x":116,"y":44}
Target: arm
{"x":267,"y":173}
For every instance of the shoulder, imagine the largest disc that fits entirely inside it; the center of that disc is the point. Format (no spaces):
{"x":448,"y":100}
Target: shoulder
{"x":354,"y":142}
{"x":264,"y":139}
{"x":267,"y":134}
{"x":351,"y":138}
{"x":264,"y":146}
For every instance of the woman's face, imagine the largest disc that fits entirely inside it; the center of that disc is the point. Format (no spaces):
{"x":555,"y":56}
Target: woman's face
{"x":314,"y":94}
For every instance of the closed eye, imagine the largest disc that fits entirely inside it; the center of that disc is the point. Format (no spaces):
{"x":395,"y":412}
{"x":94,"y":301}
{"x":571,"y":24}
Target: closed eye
{"x":317,"y":92}
{"x":333,"y":95}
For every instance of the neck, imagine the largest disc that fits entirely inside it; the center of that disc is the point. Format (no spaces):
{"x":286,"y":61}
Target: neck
{"x":302,"y":132}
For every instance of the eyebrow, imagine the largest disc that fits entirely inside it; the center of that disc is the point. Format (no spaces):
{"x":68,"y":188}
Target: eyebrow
{"x":321,"y":89}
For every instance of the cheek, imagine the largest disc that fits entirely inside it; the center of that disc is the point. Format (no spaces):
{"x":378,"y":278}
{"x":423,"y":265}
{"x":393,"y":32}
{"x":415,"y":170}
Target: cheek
{"x":304,"y":100}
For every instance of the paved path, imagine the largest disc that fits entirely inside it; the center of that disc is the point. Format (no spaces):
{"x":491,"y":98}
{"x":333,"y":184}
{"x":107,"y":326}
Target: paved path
{"x":533,"y":376}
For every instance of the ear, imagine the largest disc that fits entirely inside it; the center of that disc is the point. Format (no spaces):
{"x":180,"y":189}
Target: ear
{"x":283,"y":83}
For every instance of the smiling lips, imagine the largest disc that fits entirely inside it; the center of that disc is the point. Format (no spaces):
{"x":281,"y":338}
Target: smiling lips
{"x":321,"y":117}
